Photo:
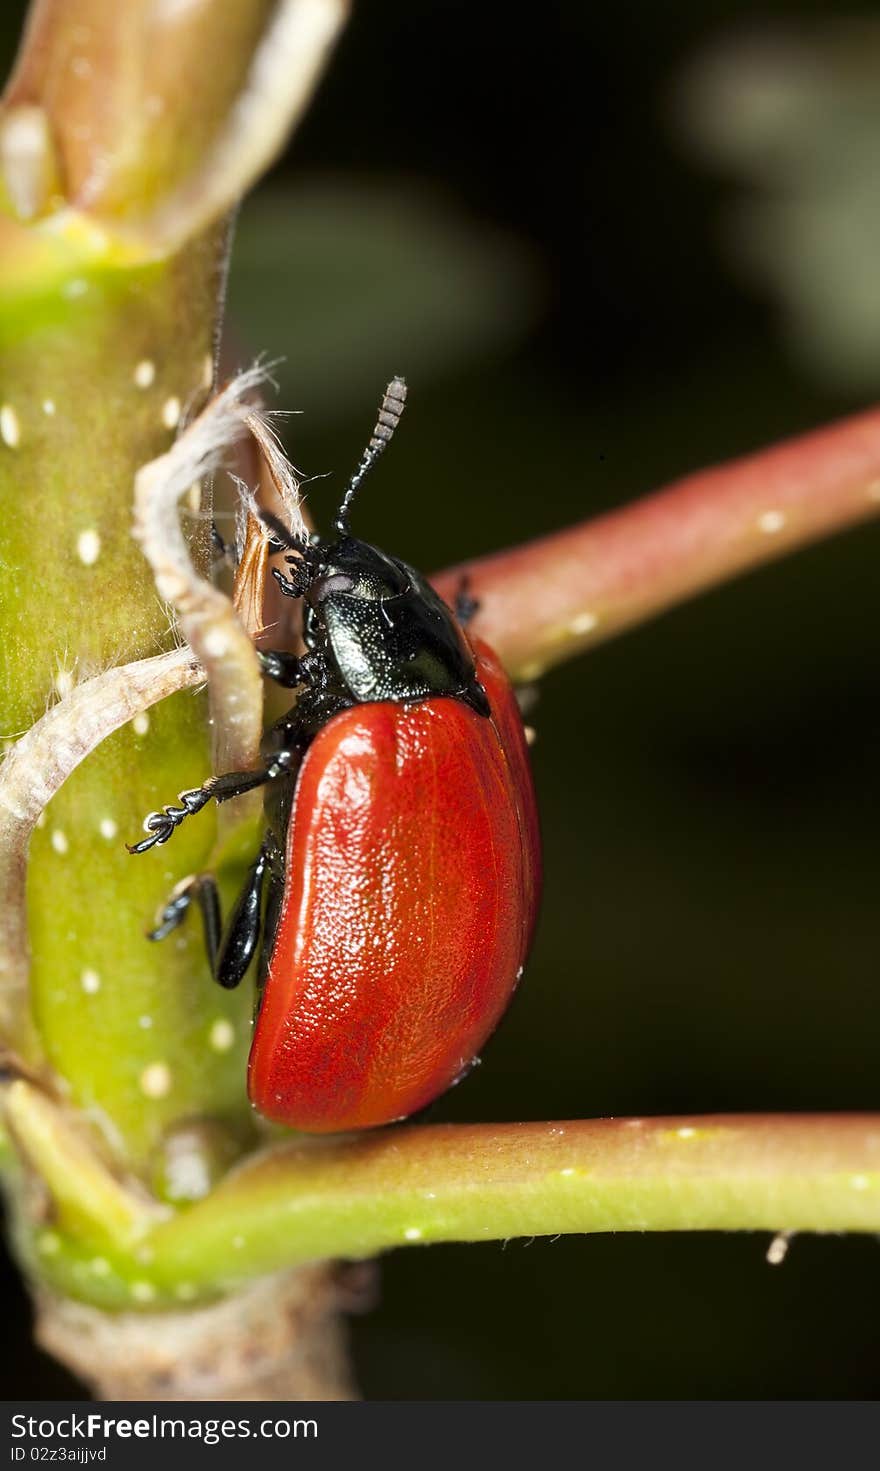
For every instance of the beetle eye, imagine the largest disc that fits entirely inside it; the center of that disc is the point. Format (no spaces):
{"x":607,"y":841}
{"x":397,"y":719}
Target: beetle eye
{"x":324,"y":587}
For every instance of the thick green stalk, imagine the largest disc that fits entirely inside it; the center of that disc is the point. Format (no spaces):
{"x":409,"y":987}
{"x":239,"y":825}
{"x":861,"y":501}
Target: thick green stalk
{"x":405,"y":1187}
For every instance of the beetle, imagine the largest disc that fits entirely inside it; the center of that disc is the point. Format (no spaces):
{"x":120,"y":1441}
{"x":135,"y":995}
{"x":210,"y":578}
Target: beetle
{"x":401,"y":855}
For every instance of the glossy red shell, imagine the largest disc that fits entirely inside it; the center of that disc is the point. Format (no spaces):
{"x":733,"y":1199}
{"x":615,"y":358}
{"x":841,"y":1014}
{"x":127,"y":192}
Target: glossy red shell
{"x":413,"y":876}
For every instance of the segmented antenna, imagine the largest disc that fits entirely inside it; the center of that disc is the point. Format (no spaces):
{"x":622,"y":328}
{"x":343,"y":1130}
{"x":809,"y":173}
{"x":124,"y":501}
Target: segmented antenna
{"x":390,"y":410}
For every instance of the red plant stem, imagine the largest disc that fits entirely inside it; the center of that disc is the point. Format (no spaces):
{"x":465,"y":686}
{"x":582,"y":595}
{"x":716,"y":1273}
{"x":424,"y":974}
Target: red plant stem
{"x":548,"y":600}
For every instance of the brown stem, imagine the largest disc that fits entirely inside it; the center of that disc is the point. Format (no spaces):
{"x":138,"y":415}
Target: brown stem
{"x":280,"y":1338}
{"x":548,"y":600}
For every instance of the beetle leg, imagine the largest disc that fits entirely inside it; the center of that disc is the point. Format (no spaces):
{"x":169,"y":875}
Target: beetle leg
{"x":286,"y":669}
{"x":222,"y":548}
{"x":204,"y":890}
{"x":292,"y":587}
{"x":160,"y":825}
{"x":230,"y":950}
{"x":465,"y":605}
{"x":242,"y":933}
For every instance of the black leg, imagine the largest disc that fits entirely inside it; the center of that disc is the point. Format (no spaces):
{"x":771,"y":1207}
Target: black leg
{"x":285,"y":669}
{"x":160,"y":825}
{"x":231,"y":949}
{"x":203,"y":889}
{"x":242,"y":934}
{"x":465,"y":605}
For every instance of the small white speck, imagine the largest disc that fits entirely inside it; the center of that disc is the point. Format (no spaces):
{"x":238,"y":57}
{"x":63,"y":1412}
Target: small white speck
{"x":88,"y":547}
{"x":145,"y":1022}
{"x":49,"y":1243}
{"x":185,"y":1291}
{"x":583,"y":623}
{"x":81,"y":66}
{"x":59,"y":841}
{"x":49,"y":406}
{"x":686,"y":1132}
{"x":63,"y":683}
{"x":143,"y":1291}
{"x":238,"y":1242}
{"x":859,"y":1182}
{"x":412,"y":1233}
{"x":778,"y":1248}
{"x":76,"y":287}
{"x":90,"y":982}
{"x":141,"y":723}
{"x":567,"y":1171}
{"x":222,"y":1035}
{"x":171,"y":412}
{"x":216,"y":643}
{"x":10,"y":429}
{"x":100,"y":1266}
{"x":530,"y":734}
{"x":207,"y":370}
{"x":107,"y":828}
{"x":156,"y":1080}
{"x":770,"y":522}
{"x":144,"y":373}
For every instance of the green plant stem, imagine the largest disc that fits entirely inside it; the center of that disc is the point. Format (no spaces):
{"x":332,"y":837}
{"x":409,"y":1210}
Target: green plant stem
{"x":414,"y":1185}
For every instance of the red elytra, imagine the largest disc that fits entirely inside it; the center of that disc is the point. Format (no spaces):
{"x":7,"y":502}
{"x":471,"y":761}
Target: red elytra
{"x":413,"y":878}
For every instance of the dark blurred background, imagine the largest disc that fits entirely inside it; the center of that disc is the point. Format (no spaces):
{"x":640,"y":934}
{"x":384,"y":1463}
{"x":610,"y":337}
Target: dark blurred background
{"x":607,"y":245}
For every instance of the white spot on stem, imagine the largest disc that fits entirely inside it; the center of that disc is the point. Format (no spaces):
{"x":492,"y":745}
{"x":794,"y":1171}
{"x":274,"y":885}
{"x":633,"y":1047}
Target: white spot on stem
{"x":171,"y":412}
{"x":107,"y":828}
{"x":10,"y":429}
{"x":156,"y":1080}
{"x":141,"y":723}
{"x":222,"y":1035}
{"x":143,"y":1291}
{"x":144,"y":373}
{"x":59,"y":841}
{"x":584,"y":623}
{"x":216,"y":643}
{"x":686,"y":1132}
{"x":63,"y":683}
{"x":49,"y":407}
{"x":88,"y":547}
{"x":90,"y":982}
{"x":770,"y":522}
{"x":859,"y":1182}
{"x":412,"y":1233}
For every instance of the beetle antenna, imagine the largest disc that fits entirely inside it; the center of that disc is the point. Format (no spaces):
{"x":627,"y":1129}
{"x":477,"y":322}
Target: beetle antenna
{"x":390,"y":410}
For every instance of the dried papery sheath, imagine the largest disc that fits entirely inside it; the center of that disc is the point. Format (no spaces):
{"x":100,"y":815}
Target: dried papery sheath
{"x":207,"y":616}
{"x":36,"y":767}
{"x":279,"y":492}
